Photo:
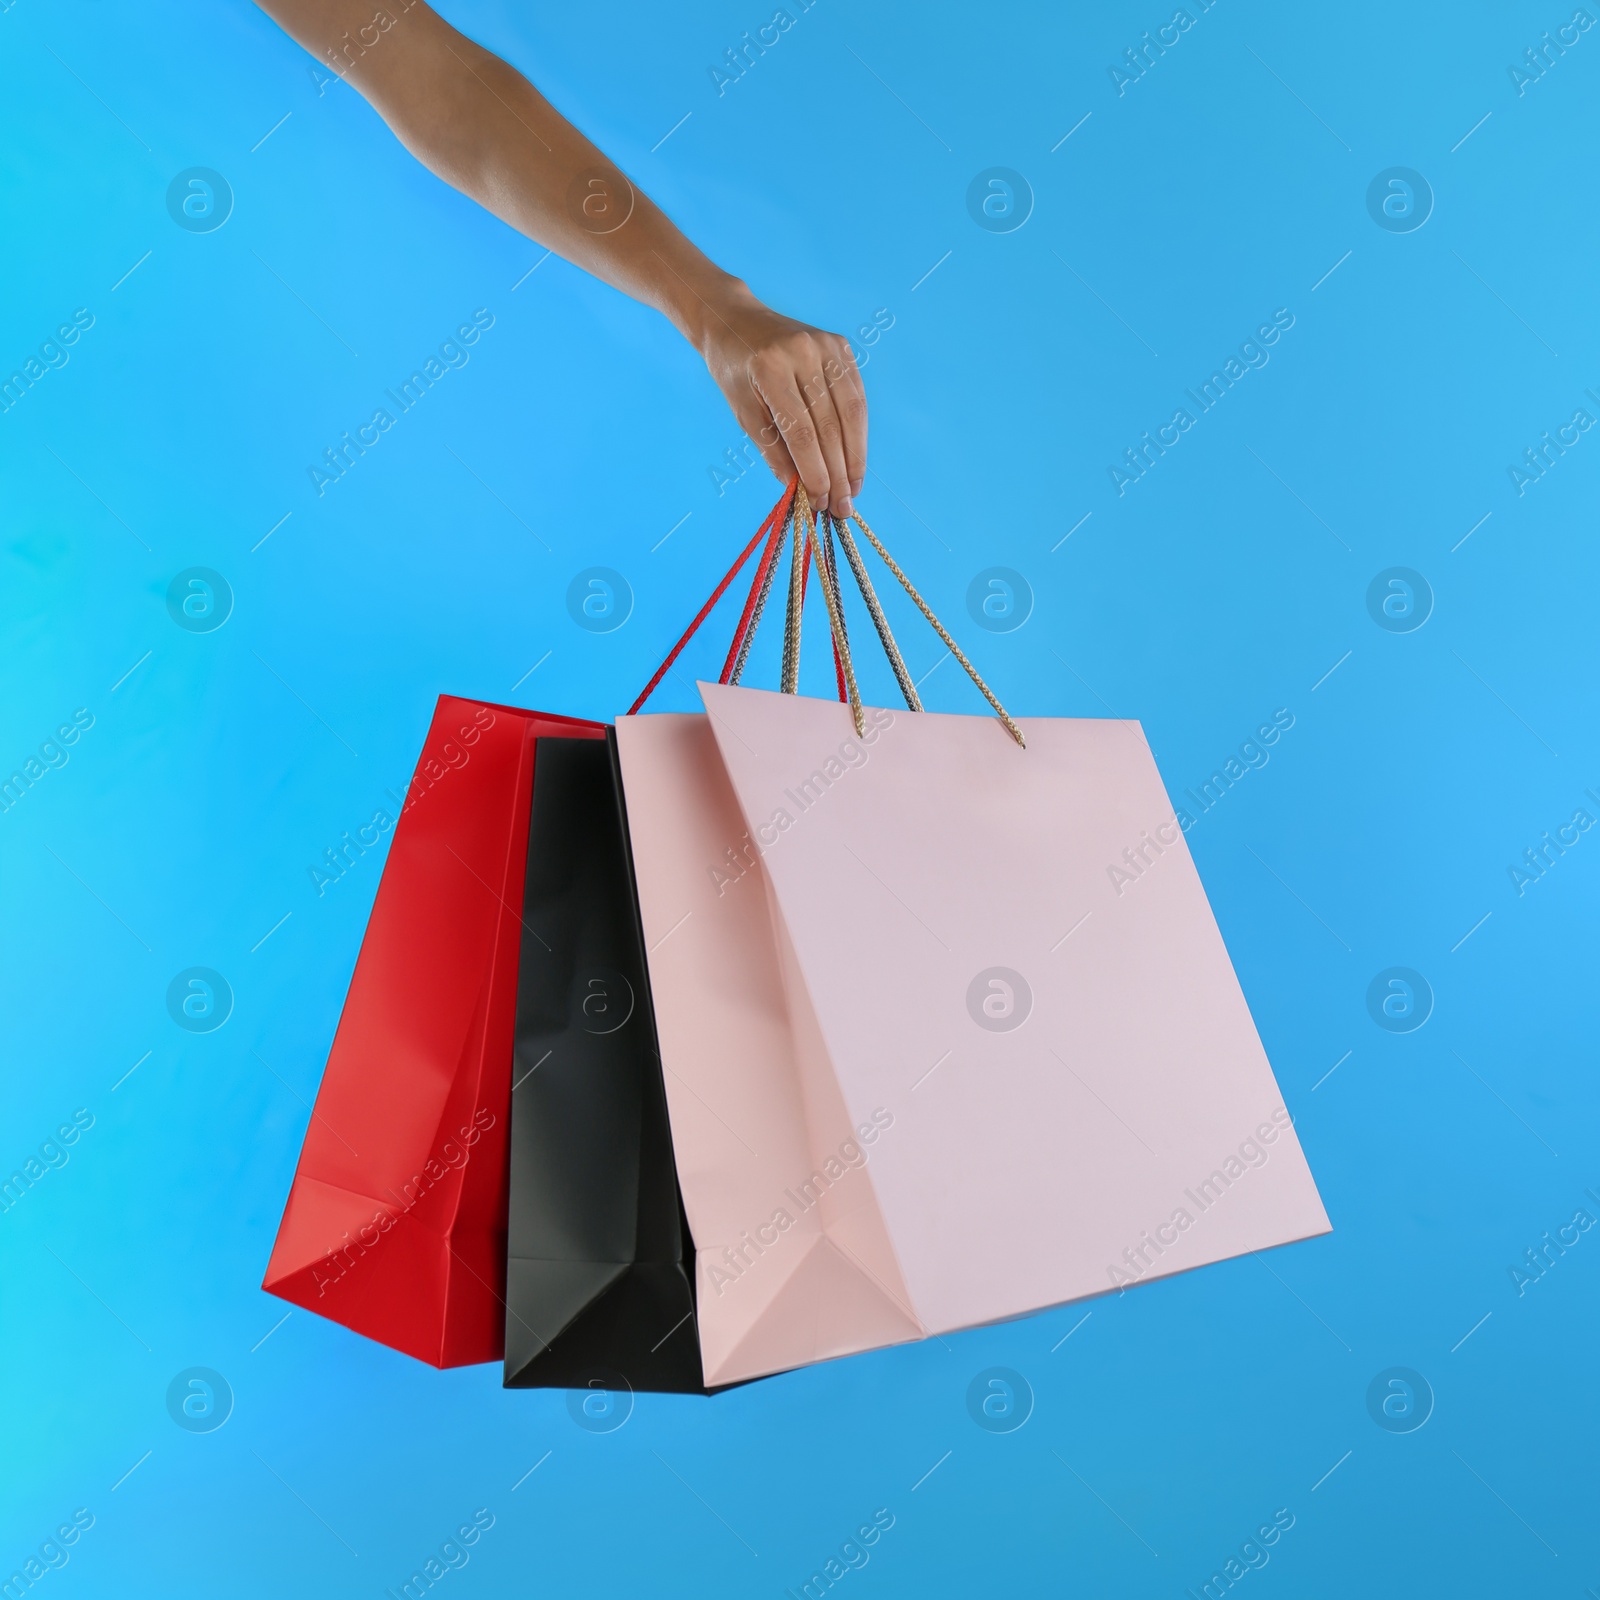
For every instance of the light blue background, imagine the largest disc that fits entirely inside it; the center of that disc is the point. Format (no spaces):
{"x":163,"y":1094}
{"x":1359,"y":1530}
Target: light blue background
{"x":1230,"y":181}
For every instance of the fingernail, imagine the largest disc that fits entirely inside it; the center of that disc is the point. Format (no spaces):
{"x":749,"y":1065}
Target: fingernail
{"x":855,"y":488}
{"x":843,"y":513}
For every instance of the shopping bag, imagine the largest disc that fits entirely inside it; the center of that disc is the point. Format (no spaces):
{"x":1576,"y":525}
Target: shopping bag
{"x":600,"y":1291}
{"x":930,"y":1063}
{"x":395,"y":1223}
{"x":598,"y":1284}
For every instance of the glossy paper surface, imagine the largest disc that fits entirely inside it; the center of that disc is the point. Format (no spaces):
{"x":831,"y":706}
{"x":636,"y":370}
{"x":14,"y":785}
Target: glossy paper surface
{"x":395,"y":1225}
{"x":597,"y":1290}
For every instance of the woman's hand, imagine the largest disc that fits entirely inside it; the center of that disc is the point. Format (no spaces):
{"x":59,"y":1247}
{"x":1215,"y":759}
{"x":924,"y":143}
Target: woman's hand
{"x":794,"y":389}
{"x":480,"y":125}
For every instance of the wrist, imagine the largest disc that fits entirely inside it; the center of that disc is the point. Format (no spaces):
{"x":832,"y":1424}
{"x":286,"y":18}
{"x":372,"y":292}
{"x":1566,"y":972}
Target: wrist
{"x":701,"y":306}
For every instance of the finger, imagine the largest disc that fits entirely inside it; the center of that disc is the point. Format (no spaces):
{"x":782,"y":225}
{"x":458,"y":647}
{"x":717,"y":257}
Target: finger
{"x":850,"y":401}
{"x":815,"y":390}
{"x":757,"y":421}
{"x":794,"y":421}
{"x":830,"y":435}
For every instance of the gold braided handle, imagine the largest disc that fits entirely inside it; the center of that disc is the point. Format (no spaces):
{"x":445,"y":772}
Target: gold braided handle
{"x":808,"y":545}
{"x":841,"y":529}
{"x":789,"y":681}
{"x":938,"y":628}
{"x":835,"y":612}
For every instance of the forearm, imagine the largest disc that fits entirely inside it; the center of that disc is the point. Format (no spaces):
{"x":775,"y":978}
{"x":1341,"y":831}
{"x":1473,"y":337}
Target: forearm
{"x":484,"y":129}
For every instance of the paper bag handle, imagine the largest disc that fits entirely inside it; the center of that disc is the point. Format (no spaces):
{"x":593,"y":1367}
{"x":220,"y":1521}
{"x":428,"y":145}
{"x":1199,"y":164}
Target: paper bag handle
{"x":841,"y":644}
{"x":794,"y":506}
{"x":779,"y":516}
{"x":938,"y":628}
{"x":842,"y":663}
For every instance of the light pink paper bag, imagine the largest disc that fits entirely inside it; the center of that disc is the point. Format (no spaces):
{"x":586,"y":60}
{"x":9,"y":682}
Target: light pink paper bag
{"x":929,"y":1062}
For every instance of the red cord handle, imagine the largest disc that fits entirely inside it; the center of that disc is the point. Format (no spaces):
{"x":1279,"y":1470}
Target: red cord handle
{"x":705,"y":610}
{"x":774,"y":525}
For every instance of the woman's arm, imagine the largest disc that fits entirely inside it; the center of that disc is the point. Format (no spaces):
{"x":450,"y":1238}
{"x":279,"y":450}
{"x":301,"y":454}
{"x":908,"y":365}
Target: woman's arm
{"x":483,"y":128}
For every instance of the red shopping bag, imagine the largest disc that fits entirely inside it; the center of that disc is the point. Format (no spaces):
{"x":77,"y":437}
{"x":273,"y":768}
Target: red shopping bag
{"x":395,"y":1224}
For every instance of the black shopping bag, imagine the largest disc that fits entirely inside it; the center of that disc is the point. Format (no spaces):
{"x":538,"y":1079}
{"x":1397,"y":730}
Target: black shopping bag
{"x":600,"y":1264}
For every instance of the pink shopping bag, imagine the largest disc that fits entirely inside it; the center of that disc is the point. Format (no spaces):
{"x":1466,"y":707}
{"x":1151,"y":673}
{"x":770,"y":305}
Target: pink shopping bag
{"x":928,"y":1065}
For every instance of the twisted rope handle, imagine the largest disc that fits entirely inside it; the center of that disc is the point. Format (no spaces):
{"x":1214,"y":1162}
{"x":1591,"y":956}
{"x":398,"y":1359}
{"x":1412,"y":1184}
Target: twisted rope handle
{"x":841,"y":527}
{"x":750,"y":619}
{"x":841,"y":644}
{"x":830,"y":554}
{"x":794,"y":507}
{"x":938,"y":628}
{"x":789,"y":679}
